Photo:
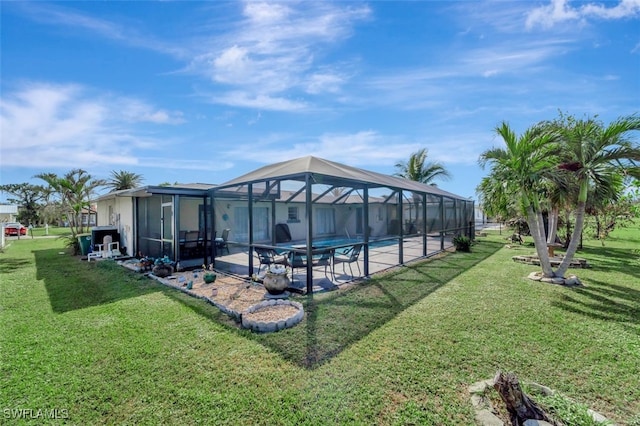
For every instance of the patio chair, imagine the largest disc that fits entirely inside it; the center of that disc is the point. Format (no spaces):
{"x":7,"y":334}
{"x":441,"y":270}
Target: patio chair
{"x":221,"y":243}
{"x":325,"y":259}
{"x":347,"y":257}
{"x":191,"y":243}
{"x":106,"y":250}
{"x":269,"y":257}
{"x":296,"y":261}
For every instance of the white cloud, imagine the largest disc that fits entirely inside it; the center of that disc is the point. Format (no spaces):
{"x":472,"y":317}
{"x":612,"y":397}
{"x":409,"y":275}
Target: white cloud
{"x":510,"y":59}
{"x":46,"y":125}
{"x":258,"y":101}
{"x":624,"y":9}
{"x":324,"y":83}
{"x":273,"y":49}
{"x":262,"y":12}
{"x":276,"y":49}
{"x":232,"y":65}
{"x":134,"y":110}
{"x":359,"y":149}
{"x":184,"y":164}
{"x":127,"y":34}
{"x":559,"y":11}
{"x":367,"y":148}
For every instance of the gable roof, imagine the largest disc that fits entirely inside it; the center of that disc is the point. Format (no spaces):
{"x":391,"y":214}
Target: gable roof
{"x":331,"y":173}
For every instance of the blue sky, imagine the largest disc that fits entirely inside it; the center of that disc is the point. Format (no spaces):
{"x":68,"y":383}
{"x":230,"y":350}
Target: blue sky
{"x":207,"y":91}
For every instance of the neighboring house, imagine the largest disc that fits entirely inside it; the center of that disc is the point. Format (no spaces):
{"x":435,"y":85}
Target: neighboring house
{"x":8,"y":213}
{"x":480,"y":217}
{"x":88,"y":216}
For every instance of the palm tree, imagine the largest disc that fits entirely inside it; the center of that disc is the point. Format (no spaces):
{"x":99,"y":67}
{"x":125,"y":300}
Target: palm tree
{"x":496,"y":201}
{"x":419,"y":170}
{"x":75,"y":190}
{"x":595,"y":156}
{"x":521,"y":167}
{"x":559,"y":192}
{"x":123,"y":180}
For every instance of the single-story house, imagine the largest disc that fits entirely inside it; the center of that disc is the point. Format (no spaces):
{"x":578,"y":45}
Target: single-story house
{"x":309,"y":200}
{"x":8,"y":213}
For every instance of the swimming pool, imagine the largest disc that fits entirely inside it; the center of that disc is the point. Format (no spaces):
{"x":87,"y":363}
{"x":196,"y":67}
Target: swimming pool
{"x":338,"y":242}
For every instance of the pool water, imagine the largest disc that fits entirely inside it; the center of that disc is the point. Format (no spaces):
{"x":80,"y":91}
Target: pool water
{"x":341,"y":242}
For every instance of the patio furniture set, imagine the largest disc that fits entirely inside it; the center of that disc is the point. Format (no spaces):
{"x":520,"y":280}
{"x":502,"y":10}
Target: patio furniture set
{"x":192,"y":243}
{"x":327,"y":257}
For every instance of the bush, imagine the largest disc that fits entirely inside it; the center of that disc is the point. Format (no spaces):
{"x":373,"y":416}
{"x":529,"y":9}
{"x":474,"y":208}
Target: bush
{"x":462,"y":243}
{"x":72,"y":242}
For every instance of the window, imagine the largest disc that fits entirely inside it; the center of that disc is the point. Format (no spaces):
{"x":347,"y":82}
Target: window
{"x":260,"y":223}
{"x":325,"y":221}
{"x":292,"y":215}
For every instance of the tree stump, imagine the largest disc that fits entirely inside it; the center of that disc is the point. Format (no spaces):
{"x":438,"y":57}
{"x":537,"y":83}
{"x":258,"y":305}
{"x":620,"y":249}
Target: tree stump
{"x":519,"y":405}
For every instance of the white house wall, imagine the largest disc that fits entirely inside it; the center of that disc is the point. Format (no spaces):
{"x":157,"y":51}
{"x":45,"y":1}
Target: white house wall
{"x":189,"y":213}
{"x":118,"y":212}
{"x":345,"y":215}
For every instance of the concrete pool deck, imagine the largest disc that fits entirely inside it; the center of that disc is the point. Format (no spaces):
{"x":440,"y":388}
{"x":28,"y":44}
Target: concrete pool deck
{"x":380,"y":259}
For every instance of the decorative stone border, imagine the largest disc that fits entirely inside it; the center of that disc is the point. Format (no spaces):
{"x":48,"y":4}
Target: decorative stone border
{"x":570,"y":281}
{"x":482,"y":405}
{"x":555,"y":261}
{"x":275,"y":325}
{"x":238,"y":311}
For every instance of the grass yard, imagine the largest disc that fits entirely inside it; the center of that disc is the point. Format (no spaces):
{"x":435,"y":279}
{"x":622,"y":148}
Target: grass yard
{"x":102,"y":345}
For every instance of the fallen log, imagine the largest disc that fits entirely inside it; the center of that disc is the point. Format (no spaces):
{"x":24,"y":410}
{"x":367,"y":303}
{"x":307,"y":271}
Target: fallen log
{"x":520,"y":407}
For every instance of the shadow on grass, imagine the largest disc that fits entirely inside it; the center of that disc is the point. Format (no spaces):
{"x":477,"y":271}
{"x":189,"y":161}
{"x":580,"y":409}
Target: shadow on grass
{"x":338,"y":319}
{"x":8,"y":265}
{"x":606,"y":302}
{"x":72,"y":284}
{"x":611,"y":259}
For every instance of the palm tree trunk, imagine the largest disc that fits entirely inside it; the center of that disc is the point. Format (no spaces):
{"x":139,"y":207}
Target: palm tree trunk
{"x":577,"y":229}
{"x":553,"y":225}
{"x":540,"y":218}
{"x":540,"y":242}
{"x":575,"y":241}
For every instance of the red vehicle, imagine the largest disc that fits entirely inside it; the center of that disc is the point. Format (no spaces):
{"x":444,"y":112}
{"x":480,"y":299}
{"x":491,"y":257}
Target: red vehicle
{"x":14,"y":228}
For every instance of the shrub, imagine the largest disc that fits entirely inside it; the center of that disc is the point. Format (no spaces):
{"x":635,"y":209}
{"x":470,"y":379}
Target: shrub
{"x":462,"y":243}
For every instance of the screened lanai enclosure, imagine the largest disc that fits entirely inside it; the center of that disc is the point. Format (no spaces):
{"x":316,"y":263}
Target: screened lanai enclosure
{"x":328,"y":222}
{"x":172,"y":221}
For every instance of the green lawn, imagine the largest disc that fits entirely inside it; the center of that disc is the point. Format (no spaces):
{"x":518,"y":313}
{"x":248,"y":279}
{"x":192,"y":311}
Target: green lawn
{"x":103,"y":345}
{"x":51,"y":231}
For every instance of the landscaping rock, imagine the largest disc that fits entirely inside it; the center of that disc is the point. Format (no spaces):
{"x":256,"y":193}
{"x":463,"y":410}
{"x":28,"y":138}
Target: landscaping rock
{"x":536,"y":276}
{"x":555,"y":261}
{"x":532,"y":422}
{"x":487,"y":418}
{"x":570,"y":281}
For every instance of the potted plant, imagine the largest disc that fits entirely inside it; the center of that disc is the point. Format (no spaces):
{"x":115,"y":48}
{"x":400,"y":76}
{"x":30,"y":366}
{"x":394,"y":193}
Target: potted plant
{"x":208,"y":275}
{"x":163,"y":267}
{"x":276,"y":279}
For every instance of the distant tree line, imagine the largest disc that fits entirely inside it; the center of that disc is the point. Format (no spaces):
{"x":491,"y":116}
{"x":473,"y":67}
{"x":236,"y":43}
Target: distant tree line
{"x":63,"y":198}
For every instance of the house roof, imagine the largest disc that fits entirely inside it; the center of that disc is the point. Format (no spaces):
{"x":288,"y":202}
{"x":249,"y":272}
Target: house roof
{"x":195,"y":189}
{"x":331,"y":173}
{"x":8,"y":209}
